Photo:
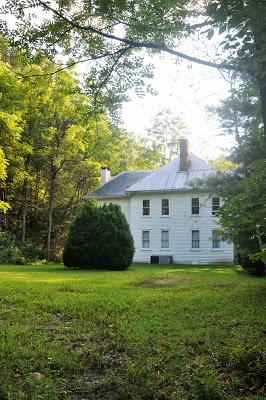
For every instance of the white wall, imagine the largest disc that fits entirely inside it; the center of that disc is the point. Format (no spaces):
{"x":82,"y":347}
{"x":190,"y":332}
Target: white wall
{"x":180,"y":224}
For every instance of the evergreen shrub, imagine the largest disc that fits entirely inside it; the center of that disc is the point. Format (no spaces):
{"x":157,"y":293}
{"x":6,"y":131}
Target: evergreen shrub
{"x":99,"y":238}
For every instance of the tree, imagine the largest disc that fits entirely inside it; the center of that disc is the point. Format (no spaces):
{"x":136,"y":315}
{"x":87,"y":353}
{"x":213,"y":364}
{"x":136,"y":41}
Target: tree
{"x":164,"y":135}
{"x":153,"y":25}
{"x":10,"y":122}
{"x":243,"y":214}
{"x":221,"y":163}
{"x":99,"y":238}
{"x":4,"y":206}
{"x":53,"y":144}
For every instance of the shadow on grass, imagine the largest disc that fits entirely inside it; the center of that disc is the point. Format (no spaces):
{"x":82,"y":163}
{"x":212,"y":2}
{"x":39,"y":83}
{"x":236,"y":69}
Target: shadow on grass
{"x":60,"y":268}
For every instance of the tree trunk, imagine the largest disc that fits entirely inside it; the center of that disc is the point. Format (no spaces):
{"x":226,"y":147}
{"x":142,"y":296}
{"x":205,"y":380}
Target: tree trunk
{"x":262,"y":86}
{"x":24,"y":212}
{"x":50,"y":211}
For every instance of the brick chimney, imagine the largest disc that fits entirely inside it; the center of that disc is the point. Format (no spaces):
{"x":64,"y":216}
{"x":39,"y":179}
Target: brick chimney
{"x":184,"y":155}
{"x":105,"y":175}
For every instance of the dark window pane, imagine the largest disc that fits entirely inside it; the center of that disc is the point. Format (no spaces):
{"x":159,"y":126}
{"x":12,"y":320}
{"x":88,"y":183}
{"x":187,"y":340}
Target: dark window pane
{"x":165,"y":240}
{"x":146,"y":207}
{"x":195,"y":205}
{"x":216,"y":240}
{"x":165,"y":207}
{"x":145,"y":239}
{"x":195,"y":240}
{"x":215,"y":205}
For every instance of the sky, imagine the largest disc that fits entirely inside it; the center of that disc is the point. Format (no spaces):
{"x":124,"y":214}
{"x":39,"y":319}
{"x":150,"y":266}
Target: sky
{"x":187,"y":90}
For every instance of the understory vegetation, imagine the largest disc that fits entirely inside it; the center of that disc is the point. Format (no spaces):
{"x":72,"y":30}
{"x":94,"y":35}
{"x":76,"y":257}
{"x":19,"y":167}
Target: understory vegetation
{"x":151,"y":332}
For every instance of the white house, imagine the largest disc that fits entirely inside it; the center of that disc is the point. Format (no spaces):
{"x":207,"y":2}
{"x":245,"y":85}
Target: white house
{"x":170,"y":219}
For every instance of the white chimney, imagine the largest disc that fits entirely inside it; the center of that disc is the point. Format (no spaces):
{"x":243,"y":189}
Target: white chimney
{"x":105,"y":175}
{"x":184,"y":155}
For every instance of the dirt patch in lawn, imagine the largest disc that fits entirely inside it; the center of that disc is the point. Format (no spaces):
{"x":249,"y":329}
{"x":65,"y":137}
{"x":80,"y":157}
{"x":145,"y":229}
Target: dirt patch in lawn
{"x":224,"y":286}
{"x":162,"y":281}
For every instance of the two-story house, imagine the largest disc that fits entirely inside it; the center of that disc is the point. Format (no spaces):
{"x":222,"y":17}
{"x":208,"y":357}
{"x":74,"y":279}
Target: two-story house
{"x":171,"y":220}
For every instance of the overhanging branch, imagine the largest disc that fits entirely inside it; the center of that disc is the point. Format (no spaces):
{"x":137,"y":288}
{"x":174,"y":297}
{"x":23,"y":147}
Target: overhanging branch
{"x":136,"y":44}
{"x":71,"y":64}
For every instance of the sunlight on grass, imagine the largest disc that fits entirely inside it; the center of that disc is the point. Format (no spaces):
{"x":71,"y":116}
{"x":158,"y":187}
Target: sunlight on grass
{"x":151,"y":332}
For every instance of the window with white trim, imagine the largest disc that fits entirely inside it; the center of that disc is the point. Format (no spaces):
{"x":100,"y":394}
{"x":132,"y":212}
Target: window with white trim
{"x":165,"y":206}
{"x":145,"y":239}
{"x":165,"y":239}
{"x":195,"y":239}
{"x":146,"y":207}
{"x":216,"y":240}
{"x":195,"y":206}
{"x":215,"y":205}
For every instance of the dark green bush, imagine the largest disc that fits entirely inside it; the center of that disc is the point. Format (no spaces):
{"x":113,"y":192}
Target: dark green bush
{"x":13,"y":252}
{"x":252,"y":267}
{"x":99,"y":238}
{"x":10,"y":253}
{"x":33,"y":253}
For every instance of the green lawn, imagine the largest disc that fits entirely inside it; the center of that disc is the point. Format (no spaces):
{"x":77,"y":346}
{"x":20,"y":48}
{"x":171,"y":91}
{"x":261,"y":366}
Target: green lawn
{"x":152,"y":332}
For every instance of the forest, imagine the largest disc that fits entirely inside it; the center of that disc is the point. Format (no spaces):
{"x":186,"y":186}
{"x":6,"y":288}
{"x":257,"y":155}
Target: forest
{"x":58,"y":128}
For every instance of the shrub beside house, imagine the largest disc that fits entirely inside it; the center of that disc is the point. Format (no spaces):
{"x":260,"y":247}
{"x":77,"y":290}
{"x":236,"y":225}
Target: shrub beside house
{"x":99,"y":238}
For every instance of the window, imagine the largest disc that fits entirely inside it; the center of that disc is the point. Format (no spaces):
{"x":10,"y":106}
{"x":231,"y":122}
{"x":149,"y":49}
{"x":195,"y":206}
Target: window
{"x":165,"y":207}
{"x":146,"y":207}
{"x":145,"y":239}
{"x":195,"y":205}
{"x":165,"y":239}
{"x":195,"y":240}
{"x":216,"y":240}
{"x":215,"y":205}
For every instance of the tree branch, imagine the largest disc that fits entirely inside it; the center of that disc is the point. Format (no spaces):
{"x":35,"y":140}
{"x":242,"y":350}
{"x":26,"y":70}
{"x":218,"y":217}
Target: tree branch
{"x":69,"y":65}
{"x":200,"y":25}
{"x":111,"y":70}
{"x":133,"y":43}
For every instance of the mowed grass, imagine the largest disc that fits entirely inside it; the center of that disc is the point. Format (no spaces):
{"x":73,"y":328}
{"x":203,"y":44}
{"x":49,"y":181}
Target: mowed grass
{"x":151,"y":332}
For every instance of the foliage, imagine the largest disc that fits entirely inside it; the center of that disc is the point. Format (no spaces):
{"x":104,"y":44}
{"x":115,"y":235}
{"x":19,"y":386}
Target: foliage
{"x":53,"y":144}
{"x":243,"y":211}
{"x":99,"y":238}
{"x":13,"y":252}
{"x":153,"y":332}
{"x":221,"y":163}
{"x":246,"y":210}
{"x":164,"y":135}
{"x":3,"y":165}
{"x":238,"y":27}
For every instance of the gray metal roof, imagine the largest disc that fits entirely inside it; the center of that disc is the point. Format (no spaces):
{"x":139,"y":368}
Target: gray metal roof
{"x":171,"y":178}
{"x":119,"y":184}
{"x":167,"y":178}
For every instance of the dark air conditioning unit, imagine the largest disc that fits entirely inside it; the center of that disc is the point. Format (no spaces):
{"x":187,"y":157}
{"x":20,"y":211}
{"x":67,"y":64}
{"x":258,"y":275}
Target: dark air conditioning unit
{"x":162,"y":259}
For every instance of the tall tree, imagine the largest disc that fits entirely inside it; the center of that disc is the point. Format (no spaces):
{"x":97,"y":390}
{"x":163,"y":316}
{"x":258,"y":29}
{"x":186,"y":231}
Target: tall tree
{"x":164,"y":135}
{"x":116,"y":32}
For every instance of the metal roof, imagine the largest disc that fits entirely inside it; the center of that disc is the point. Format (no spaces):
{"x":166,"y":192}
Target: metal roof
{"x":171,"y":178}
{"x":119,"y":184}
{"x":166,"y":179}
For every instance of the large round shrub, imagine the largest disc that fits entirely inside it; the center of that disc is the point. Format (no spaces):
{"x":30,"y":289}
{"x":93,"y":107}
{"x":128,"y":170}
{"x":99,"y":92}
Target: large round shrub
{"x":99,"y":238}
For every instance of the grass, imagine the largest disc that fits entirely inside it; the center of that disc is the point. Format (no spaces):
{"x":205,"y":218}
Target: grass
{"x":152,"y":332}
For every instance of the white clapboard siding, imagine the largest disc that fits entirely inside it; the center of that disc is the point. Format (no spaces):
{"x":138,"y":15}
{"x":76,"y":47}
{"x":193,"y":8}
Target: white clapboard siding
{"x":179,"y":223}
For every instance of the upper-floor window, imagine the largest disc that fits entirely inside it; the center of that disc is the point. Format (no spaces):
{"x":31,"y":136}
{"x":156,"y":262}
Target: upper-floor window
{"x":165,"y":206}
{"x":195,"y":205}
{"x":145,"y":239}
{"x":216,"y":240}
{"x":195,"y":240}
{"x":215,"y":205}
{"x":146,"y":207}
{"x":164,"y":239}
